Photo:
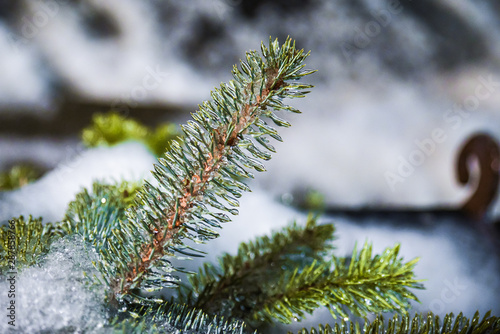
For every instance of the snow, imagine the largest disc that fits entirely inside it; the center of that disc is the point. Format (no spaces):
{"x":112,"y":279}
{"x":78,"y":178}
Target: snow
{"x":364,"y":137}
{"x":460,"y":274}
{"x":55,"y":296}
{"x":359,"y":121}
{"x":49,"y":196}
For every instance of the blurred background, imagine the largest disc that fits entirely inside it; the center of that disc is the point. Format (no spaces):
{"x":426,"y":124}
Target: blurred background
{"x":399,"y":83}
{"x":389,"y":74}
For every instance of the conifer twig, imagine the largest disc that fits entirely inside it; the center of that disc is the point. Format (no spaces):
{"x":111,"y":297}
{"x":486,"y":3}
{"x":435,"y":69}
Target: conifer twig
{"x":286,"y":276}
{"x":362,"y":283}
{"x":24,"y":241}
{"x":166,"y":317}
{"x":200,"y":176}
{"x":242,"y":280}
{"x":420,"y":324}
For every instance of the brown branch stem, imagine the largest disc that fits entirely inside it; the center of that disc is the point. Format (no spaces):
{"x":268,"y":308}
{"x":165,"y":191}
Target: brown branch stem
{"x":165,"y":230}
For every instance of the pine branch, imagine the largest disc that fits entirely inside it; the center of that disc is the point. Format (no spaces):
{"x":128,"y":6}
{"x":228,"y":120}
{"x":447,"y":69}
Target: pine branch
{"x":286,"y":276}
{"x":18,"y":176}
{"x":30,"y":240}
{"x":96,"y":216}
{"x":362,"y":283}
{"x":239,"y":284}
{"x":383,"y":279}
{"x":201,"y":171}
{"x":420,"y":324}
{"x":135,"y":326}
{"x":112,"y":128}
{"x":164,"y":317}
{"x":91,"y":214}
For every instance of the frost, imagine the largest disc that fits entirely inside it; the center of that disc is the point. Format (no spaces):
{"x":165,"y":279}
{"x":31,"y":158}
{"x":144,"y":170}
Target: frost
{"x":56,"y":296}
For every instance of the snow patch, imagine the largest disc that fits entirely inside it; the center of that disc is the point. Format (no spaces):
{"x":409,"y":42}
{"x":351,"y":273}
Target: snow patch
{"x":55,"y":296}
{"x":49,"y":196}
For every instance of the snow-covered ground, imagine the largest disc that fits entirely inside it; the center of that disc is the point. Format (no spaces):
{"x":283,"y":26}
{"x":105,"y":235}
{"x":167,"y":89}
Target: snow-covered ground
{"x":461,"y":274}
{"x":49,"y":196}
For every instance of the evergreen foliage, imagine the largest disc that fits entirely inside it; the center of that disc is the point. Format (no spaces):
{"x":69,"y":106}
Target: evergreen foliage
{"x":242,"y":283}
{"x":365,"y":283}
{"x":31,"y":240}
{"x":135,"y":229}
{"x":420,"y":324}
{"x":165,"y":317}
{"x":93,"y":214}
{"x":112,"y":128}
{"x":199,"y":178}
{"x":161,"y":138}
{"x":18,"y":176}
{"x":97,"y":216}
{"x":90,"y":213}
{"x":285,"y":276}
